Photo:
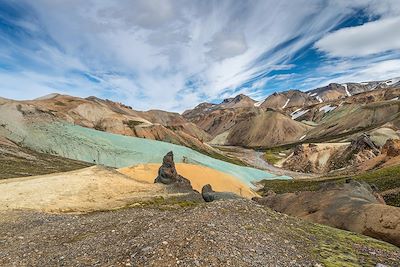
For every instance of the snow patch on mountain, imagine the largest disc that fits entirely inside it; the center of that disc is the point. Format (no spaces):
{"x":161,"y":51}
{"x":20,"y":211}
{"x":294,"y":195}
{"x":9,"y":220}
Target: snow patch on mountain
{"x":287,"y":102}
{"x":327,"y":108}
{"x":392,"y":81}
{"x":257,"y":104}
{"x":346,"y":89}
{"x":298,"y":113}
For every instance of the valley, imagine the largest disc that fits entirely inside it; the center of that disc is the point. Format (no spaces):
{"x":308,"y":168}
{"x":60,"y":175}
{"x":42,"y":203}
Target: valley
{"x":329,"y":156}
{"x":212,"y":133}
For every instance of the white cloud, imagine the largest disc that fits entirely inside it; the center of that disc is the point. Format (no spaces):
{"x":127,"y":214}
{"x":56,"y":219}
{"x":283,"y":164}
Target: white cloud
{"x":375,"y":71}
{"x":371,"y":38}
{"x":146,"y":52}
{"x":226,"y":45}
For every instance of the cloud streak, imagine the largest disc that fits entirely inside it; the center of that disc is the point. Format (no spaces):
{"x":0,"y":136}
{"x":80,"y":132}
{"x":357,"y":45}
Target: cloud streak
{"x":173,"y":54}
{"x":371,"y":38}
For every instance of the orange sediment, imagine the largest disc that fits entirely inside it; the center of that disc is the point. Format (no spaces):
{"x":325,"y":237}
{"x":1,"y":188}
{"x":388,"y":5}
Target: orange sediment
{"x":197,"y":174}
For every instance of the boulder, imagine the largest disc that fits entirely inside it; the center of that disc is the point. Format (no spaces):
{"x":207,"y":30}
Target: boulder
{"x":209,"y":195}
{"x":168,"y":175}
{"x":354,"y":206}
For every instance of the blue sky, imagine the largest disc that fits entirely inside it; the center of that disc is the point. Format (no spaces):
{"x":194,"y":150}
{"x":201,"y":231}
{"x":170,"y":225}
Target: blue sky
{"x":174,"y":54}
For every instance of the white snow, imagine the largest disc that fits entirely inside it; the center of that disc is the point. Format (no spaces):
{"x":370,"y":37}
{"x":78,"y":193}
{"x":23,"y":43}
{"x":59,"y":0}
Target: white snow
{"x":392,"y":81}
{"x":298,"y":113}
{"x":319,"y":99}
{"x":287,"y":101}
{"x":327,"y":108}
{"x":257,"y":104}
{"x":301,"y":138}
{"x":347,"y":90}
{"x":296,"y":110}
{"x":313,"y":94}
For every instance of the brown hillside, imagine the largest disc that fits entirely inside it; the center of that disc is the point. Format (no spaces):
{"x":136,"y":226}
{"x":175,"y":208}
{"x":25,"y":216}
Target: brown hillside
{"x":266,"y":129}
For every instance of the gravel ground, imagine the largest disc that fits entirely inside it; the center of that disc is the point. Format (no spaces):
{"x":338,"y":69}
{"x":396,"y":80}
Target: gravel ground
{"x":224,"y":233}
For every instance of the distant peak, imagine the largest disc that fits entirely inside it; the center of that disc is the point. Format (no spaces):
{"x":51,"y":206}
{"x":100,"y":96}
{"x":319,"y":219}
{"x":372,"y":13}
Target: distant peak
{"x":237,"y":99}
{"x":49,"y":96}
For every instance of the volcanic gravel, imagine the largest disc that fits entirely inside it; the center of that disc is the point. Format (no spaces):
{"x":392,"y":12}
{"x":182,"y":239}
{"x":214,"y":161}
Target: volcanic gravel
{"x":222,"y":233}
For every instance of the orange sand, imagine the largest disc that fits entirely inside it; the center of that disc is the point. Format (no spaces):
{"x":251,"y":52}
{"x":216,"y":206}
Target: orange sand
{"x":198,"y":176}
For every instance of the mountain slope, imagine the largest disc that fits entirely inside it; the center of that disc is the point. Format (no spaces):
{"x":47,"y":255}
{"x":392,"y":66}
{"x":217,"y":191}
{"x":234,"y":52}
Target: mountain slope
{"x":288,"y":99}
{"x":333,"y":111}
{"x":350,"y":119}
{"x":336,"y":91}
{"x":44,"y":133}
{"x":17,"y":161}
{"x":266,"y":129}
{"x":105,"y":115}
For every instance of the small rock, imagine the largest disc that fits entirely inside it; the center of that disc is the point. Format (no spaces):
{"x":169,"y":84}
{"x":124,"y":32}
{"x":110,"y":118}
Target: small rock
{"x":146,"y":249}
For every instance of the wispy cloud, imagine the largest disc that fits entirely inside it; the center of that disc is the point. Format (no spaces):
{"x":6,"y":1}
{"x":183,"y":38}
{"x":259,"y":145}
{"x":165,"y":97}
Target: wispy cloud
{"x":173,"y":54}
{"x":368,"y":39}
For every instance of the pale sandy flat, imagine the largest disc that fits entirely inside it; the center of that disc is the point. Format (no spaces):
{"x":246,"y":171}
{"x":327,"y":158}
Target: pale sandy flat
{"x":198,"y":176}
{"x":93,"y":188}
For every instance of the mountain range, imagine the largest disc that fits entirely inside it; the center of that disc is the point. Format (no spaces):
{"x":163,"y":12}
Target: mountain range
{"x":338,"y":145}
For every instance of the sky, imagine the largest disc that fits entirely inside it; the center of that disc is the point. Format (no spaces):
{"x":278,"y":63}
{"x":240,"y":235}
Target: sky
{"x":174,"y":54}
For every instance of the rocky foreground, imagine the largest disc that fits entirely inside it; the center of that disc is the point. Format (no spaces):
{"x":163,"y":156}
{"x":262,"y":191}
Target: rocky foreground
{"x":221,"y":233}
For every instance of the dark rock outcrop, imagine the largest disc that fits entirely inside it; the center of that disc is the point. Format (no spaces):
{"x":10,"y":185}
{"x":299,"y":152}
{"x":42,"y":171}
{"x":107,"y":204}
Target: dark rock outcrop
{"x":364,"y":142}
{"x":210,"y":195}
{"x":353,"y":206}
{"x":359,"y":151}
{"x":168,"y":175}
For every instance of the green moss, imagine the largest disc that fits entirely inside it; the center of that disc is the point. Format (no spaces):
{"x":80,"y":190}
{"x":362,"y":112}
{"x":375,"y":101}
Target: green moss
{"x":131,"y":124}
{"x":339,"y":248}
{"x":385,"y":179}
{"x":13,"y":166}
{"x":222,"y":157}
{"x":59,"y":103}
{"x":227,"y":159}
{"x":99,"y":127}
{"x":271,"y":157}
{"x":163,"y":203}
{"x":187,"y":203}
{"x":392,"y":199}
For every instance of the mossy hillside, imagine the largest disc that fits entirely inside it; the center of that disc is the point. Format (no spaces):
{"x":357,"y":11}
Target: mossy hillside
{"x":17,"y":166}
{"x":338,"y":248}
{"x":84,"y":144}
{"x":272,"y":155}
{"x":329,"y":246}
{"x":385,"y":179}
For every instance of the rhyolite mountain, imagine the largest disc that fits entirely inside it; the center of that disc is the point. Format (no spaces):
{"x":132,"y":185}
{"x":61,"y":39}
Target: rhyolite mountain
{"x":334,"y":113}
{"x":326,"y":113}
